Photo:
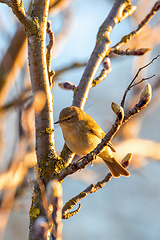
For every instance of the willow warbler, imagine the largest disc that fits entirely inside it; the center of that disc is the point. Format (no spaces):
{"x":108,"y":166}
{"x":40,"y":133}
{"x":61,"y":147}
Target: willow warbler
{"x":82,"y":134}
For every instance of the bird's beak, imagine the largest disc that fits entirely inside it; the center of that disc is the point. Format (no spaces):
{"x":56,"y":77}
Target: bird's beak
{"x":56,"y":122}
{"x":59,"y":121}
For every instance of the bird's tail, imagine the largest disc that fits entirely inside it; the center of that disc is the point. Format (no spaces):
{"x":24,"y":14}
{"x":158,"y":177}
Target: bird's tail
{"x":116,"y":168}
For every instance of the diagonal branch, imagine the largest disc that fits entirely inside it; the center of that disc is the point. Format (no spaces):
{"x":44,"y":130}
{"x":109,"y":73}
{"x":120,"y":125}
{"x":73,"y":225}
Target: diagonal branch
{"x":132,"y":82}
{"x":100,"y":51}
{"x":105,"y":71}
{"x":90,"y":189}
{"x":134,"y":33}
{"x":143,"y":102}
{"x":12,"y":62}
{"x":4,"y":1}
{"x":19,"y":11}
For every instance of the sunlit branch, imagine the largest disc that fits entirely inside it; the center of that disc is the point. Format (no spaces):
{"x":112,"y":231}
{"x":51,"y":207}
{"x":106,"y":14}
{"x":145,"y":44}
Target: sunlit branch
{"x":49,"y":52}
{"x":134,"y":52}
{"x":132,"y":82}
{"x":4,"y":1}
{"x":90,"y":189}
{"x":99,"y":52}
{"x":134,"y":33}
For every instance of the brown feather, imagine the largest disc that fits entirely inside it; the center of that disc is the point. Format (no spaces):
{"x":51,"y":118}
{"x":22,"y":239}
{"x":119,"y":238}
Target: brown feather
{"x":116,"y":168}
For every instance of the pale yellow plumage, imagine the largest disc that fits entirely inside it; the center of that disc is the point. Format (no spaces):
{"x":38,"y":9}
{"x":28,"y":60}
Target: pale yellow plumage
{"x":82,"y":134}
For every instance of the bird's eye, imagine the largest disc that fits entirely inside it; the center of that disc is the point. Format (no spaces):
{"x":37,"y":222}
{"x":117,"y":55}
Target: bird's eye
{"x":69,"y":118}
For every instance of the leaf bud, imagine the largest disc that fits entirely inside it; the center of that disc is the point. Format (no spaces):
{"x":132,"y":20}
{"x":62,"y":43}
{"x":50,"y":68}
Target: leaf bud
{"x":126,"y":160}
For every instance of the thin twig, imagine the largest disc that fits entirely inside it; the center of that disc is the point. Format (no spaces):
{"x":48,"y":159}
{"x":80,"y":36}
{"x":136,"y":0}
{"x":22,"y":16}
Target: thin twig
{"x":49,"y":52}
{"x":134,"y":52}
{"x":4,"y":1}
{"x":50,"y":45}
{"x":70,"y":67}
{"x":137,"y":74}
{"x":143,"y":79}
{"x":134,"y":33}
{"x":18,"y":102}
{"x":100,"y":51}
{"x":67,"y":86}
{"x":90,"y":189}
{"x":105,"y":71}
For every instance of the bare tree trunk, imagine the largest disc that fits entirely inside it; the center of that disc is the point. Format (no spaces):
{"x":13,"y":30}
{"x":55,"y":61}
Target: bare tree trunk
{"x":44,"y":120}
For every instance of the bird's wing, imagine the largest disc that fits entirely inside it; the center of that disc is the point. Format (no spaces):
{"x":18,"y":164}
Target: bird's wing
{"x":109,"y":144}
{"x":95,"y":129}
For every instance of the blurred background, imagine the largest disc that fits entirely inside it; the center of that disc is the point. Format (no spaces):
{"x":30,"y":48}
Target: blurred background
{"x":126,"y":208}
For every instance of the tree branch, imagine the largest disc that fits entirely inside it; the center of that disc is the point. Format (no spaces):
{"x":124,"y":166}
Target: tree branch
{"x":49,"y":52}
{"x":12,"y":62}
{"x":134,"y":33}
{"x":99,"y":52}
{"x":143,"y":102}
{"x":134,"y":52}
{"x":90,"y":189}
{"x":19,"y":11}
{"x":40,"y":82}
{"x":137,"y":74}
{"x":105,"y":71}
{"x":44,"y":122}
{"x":70,"y":67}
{"x":4,"y":1}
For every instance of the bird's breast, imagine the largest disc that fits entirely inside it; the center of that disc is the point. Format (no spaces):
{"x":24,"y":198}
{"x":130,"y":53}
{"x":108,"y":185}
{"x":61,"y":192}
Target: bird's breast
{"x":79,"y":141}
